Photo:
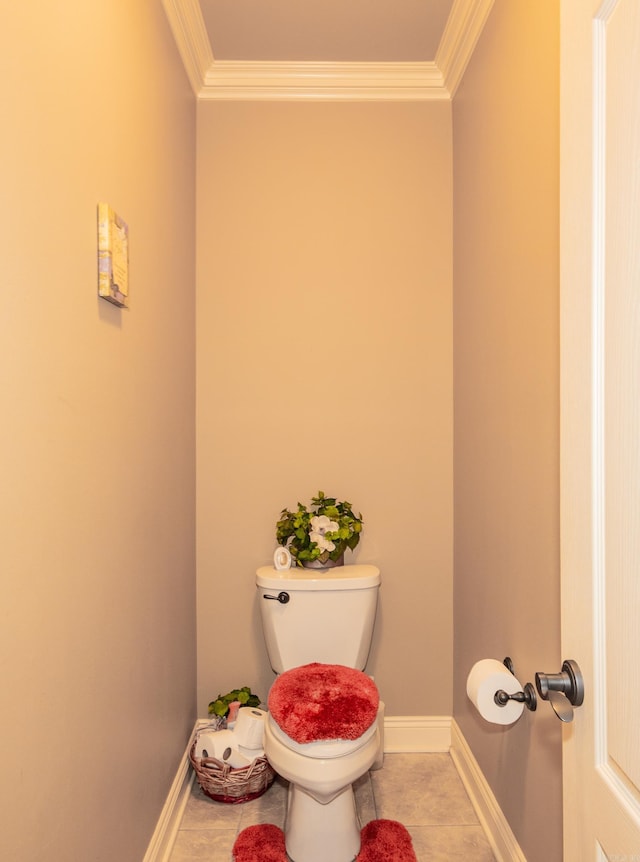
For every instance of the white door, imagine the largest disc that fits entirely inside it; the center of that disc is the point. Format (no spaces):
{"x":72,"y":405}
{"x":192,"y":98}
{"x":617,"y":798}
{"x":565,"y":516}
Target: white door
{"x":600,"y":422}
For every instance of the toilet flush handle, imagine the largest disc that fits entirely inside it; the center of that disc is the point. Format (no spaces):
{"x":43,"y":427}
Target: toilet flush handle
{"x":282,"y":597}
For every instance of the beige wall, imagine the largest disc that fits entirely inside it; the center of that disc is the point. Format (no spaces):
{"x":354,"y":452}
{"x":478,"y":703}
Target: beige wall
{"x":97,"y":646}
{"x":507,"y":588}
{"x":324,"y":362}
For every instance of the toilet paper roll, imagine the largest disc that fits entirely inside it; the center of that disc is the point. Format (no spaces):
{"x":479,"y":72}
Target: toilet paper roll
{"x":236,"y":759}
{"x":251,"y":753}
{"x":249,"y":728}
{"x":486,"y":678}
{"x":205,"y":744}
{"x":215,"y":743}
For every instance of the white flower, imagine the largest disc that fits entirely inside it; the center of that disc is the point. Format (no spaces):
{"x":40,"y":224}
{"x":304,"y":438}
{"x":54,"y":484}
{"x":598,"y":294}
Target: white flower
{"x":321,"y":542}
{"x":320,"y":525}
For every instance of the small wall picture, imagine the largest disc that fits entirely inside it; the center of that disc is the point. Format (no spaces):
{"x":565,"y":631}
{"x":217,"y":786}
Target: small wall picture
{"x":113,"y":257}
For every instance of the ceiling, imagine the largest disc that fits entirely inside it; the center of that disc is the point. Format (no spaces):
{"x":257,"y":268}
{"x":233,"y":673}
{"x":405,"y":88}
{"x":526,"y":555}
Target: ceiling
{"x":325,"y":30}
{"x":326,"y":49}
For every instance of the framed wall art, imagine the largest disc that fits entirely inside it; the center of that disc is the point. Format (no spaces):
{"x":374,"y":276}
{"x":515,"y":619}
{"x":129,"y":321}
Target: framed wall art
{"x":113,"y":257}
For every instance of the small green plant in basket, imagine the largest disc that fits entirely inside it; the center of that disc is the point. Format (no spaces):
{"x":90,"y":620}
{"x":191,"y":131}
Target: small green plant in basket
{"x":244,"y":696}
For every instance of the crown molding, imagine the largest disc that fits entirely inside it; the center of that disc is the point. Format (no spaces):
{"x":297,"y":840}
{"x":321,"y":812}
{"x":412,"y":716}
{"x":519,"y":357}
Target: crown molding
{"x":464,"y":26}
{"x":314,"y":81}
{"x":227,"y":79}
{"x":187,"y":25}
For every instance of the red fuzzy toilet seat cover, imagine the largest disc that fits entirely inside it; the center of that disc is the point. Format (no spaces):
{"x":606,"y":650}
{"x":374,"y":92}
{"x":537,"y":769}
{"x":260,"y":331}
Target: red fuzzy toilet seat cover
{"x":323,"y":701}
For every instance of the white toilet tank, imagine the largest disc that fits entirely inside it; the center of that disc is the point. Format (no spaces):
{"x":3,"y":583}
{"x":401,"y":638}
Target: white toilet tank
{"x":318,"y":615}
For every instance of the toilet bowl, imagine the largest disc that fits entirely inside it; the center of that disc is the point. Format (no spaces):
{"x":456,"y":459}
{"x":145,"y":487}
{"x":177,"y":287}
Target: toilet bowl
{"x":332,"y":713}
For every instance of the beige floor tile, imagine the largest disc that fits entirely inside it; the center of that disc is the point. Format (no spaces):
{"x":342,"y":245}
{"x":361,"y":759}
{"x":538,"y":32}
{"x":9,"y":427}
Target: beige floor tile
{"x":365,"y":803}
{"x":450,"y":844}
{"x":203,"y":845}
{"x":271,"y":807}
{"x":201,"y":812}
{"x":421,"y":790}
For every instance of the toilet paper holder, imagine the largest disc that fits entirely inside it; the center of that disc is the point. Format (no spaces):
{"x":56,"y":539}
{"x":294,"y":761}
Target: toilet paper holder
{"x":526,"y":696}
{"x":563,"y":690}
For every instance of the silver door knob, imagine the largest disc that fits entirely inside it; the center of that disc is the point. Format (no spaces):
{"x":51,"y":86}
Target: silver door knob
{"x":563,"y":690}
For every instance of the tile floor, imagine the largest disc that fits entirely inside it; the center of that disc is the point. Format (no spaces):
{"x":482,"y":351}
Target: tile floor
{"x":422,"y":791}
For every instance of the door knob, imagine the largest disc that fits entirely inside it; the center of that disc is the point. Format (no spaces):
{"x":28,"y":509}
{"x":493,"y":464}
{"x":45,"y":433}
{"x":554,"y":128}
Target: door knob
{"x":563,"y":690}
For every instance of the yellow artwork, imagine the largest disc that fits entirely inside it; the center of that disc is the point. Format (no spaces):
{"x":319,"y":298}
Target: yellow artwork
{"x":113,"y":256}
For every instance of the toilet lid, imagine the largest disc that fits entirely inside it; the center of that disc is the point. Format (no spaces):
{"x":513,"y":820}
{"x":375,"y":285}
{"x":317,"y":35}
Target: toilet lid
{"x":323,"y":702}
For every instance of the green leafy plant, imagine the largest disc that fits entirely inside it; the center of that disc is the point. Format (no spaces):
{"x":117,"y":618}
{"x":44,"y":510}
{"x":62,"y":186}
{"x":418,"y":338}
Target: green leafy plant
{"x":322,"y":532}
{"x":220,"y":706}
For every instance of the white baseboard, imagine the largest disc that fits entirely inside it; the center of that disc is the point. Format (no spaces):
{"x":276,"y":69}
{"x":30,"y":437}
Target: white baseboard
{"x":503,"y":842}
{"x":417,"y":733}
{"x":164,"y":835}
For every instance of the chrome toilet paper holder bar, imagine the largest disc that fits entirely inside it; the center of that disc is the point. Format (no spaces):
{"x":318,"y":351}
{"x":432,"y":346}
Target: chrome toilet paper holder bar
{"x":526,"y":696}
{"x":563,"y":690}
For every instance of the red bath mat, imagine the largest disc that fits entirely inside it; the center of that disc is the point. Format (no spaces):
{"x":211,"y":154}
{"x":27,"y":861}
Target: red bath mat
{"x":382,"y":841}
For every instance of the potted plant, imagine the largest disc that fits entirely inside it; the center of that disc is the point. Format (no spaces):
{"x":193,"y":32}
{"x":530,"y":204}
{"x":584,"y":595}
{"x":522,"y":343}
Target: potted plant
{"x":242,"y":696}
{"x":317,"y":537}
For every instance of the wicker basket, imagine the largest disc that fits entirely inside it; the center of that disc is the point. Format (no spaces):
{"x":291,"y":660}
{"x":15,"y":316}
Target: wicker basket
{"x":223,"y":783}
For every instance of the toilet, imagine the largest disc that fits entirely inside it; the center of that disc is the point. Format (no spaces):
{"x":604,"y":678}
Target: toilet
{"x":324,"y":727}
